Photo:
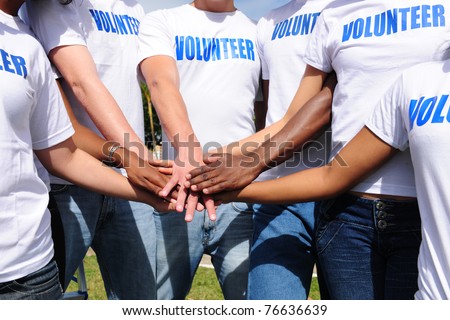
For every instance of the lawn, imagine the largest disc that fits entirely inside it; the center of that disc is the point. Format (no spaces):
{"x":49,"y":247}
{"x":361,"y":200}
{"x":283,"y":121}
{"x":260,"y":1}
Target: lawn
{"x":205,"y":286}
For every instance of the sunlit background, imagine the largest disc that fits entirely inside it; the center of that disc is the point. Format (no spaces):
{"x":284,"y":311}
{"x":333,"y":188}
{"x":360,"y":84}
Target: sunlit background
{"x":253,"y":8}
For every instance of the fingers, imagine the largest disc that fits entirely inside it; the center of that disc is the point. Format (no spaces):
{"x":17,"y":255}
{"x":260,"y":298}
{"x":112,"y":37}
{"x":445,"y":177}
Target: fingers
{"x":171,"y":207}
{"x":143,"y":182}
{"x":173,"y":195}
{"x":192,"y":202}
{"x":166,"y":171}
{"x":219,"y":187}
{"x":163,"y":166}
{"x":200,"y":207}
{"x":212,"y":185}
{"x":168,"y":187}
{"x":161,"y":163}
{"x":210,"y":207}
{"x":207,"y":179}
{"x":166,"y":206}
{"x":181,"y":199}
{"x":148,"y":185}
{"x":198,"y":172}
{"x":212,"y":158}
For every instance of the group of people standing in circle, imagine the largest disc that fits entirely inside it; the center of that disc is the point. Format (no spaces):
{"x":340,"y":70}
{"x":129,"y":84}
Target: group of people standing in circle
{"x":369,"y":207}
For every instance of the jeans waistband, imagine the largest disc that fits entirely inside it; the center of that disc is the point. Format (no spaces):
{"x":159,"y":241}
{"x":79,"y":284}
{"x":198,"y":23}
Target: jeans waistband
{"x":386,"y":200}
{"x":383,"y":214}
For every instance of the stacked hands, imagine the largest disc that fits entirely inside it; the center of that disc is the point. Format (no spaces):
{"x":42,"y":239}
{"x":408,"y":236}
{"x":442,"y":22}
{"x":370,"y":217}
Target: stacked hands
{"x":184,"y":187}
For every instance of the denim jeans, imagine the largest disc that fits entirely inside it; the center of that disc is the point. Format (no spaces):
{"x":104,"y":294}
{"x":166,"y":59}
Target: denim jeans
{"x":368,"y":249}
{"x":42,"y":284}
{"x":122,"y":234}
{"x":181,"y":245}
{"x":282,"y":256}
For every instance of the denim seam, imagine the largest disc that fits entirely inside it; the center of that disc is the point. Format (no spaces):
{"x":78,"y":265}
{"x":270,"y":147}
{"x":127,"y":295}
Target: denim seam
{"x":17,"y":284}
{"x":331,"y":239}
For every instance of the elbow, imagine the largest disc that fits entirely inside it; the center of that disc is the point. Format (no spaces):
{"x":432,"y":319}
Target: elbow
{"x":157,"y":85}
{"x":153,"y":85}
{"x":81,"y":87}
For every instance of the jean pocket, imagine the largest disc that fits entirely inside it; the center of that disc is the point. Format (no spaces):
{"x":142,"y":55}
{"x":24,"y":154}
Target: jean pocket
{"x":325,"y":233}
{"x":41,"y":281}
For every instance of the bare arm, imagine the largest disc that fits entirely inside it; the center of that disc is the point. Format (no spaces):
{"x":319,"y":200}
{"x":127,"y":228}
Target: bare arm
{"x":309,"y":122}
{"x":79,"y":71}
{"x":139,"y":171}
{"x":66,"y":161}
{"x":300,"y":124}
{"x":161,"y":75}
{"x":311,"y":84}
{"x":363,"y":154}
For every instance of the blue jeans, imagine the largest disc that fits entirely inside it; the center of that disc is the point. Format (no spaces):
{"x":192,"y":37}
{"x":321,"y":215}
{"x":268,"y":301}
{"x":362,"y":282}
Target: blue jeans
{"x":122,"y":234}
{"x":282,"y":256}
{"x":181,"y":246}
{"x":368,"y":249}
{"x":42,"y":284}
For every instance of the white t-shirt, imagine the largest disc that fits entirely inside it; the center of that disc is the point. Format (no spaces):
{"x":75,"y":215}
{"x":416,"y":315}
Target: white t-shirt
{"x":417,"y":109}
{"x":282,"y":38}
{"x":218,"y":65}
{"x":368,"y":43}
{"x":32,"y":117}
{"x":109,"y":29}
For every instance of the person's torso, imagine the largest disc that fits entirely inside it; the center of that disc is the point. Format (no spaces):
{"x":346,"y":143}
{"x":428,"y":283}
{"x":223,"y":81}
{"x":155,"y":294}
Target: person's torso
{"x":426,"y":115}
{"x":368,"y":44}
{"x":26,"y":243}
{"x":219,"y":72}
{"x":109,"y":29}
{"x":283,"y":35}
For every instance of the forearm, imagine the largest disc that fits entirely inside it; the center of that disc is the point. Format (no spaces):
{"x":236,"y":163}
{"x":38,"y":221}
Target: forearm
{"x":110,"y":121}
{"x":294,"y":130}
{"x":359,"y":158}
{"x":305,"y":125}
{"x":299,"y":187}
{"x":90,"y":142}
{"x":162,"y":78}
{"x":81,"y":77}
{"x":70,"y":163}
{"x":84,"y":138}
{"x":173,"y":116}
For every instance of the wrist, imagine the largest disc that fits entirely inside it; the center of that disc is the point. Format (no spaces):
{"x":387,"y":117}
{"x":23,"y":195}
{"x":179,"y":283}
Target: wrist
{"x":114,"y":153}
{"x":190,"y":157}
{"x":264,"y":162}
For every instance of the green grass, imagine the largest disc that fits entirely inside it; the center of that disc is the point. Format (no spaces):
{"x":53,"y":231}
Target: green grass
{"x":204,"y":287}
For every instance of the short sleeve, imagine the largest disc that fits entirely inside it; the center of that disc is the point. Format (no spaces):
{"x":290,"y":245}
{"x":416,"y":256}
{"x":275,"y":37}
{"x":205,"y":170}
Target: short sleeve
{"x":155,"y":37}
{"x":49,"y":122}
{"x":387,"y":120}
{"x":260,"y":41}
{"x":54,"y":24}
{"x":316,"y":54}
